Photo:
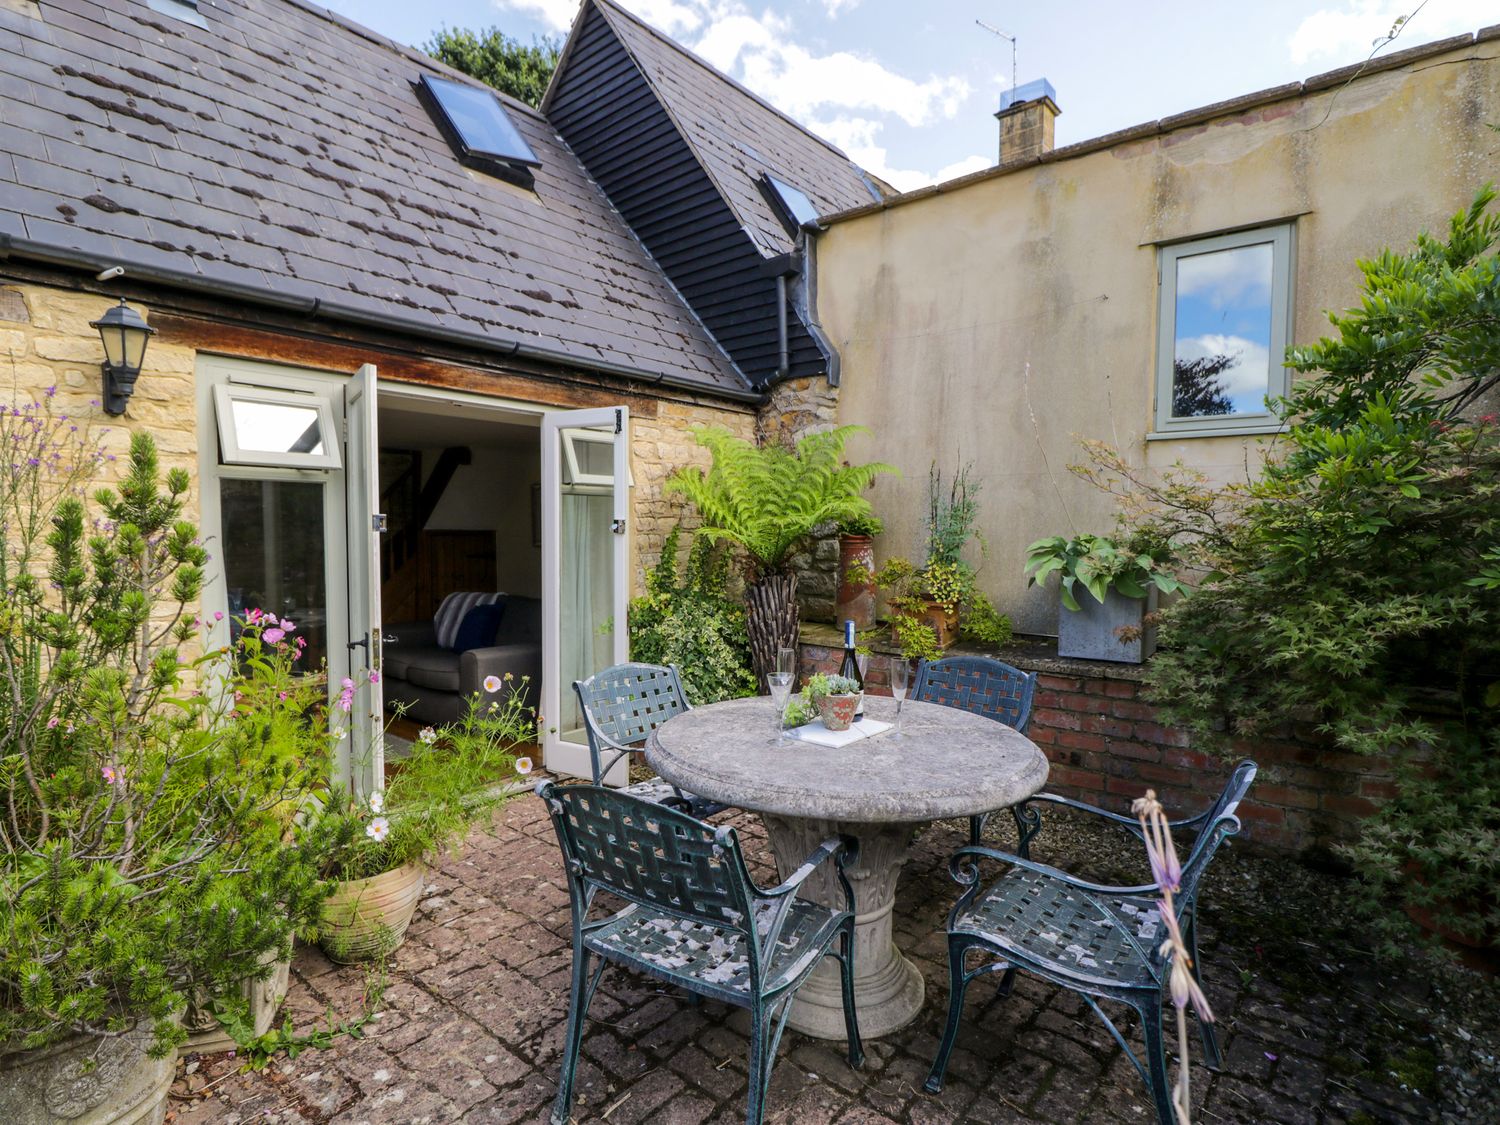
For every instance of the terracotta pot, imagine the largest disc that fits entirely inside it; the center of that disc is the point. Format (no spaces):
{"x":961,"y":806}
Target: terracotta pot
{"x":856,"y":600}
{"x":86,"y":1080}
{"x":367,"y":918}
{"x":942,"y":621}
{"x":205,"y":1035}
{"x":837,"y":711}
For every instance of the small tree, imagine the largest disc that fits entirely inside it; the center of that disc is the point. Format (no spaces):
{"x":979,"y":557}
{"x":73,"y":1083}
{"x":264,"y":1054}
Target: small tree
{"x":1197,"y":390}
{"x":767,"y":500}
{"x":493,"y":57}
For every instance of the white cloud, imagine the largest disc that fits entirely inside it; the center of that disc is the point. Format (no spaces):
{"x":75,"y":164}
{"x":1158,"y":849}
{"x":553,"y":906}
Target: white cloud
{"x":1227,"y":278}
{"x":843,"y":96}
{"x":963,"y":167}
{"x":1246,"y":380}
{"x":1349,"y":31}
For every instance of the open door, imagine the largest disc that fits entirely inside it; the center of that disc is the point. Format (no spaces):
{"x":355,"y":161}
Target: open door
{"x":364,"y":754}
{"x":585,"y":570}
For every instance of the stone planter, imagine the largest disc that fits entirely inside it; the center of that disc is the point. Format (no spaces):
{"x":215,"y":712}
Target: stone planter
{"x":367,"y":918}
{"x":837,"y":711}
{"x":86,"y":1080}
{"x":856,"y":600}
{"x":1092,"y":631}
{"x":205,"y":1035}
{"x":942,"y":621}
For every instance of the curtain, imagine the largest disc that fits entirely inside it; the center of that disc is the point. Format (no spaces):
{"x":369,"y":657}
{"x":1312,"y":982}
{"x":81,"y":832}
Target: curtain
{"x":586,"y":595}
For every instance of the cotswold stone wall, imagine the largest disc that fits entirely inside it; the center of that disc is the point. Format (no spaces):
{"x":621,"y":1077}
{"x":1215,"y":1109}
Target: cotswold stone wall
{"x":797,"y":407}
{"x":660,"y":446}
{"x":1107,"y":746}
{"x":46,"y":341}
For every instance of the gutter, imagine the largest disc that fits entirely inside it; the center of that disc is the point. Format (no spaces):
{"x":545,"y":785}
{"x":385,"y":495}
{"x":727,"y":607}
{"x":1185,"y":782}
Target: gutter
{"x":309,"y":306}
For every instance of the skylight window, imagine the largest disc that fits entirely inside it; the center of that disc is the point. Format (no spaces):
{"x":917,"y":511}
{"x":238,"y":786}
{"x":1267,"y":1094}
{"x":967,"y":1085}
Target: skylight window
{"x":794,"y":205}
{"x":478,"y":128}
{"x":185,"y":10}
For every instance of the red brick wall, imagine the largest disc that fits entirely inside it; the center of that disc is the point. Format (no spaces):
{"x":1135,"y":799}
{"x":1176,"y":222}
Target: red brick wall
{"x":1107,"y":746}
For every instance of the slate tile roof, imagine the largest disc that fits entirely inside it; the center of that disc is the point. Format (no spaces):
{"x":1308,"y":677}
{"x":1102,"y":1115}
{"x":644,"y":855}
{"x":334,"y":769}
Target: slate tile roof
{"x":283,"y":149}
{"x":737,"y":136}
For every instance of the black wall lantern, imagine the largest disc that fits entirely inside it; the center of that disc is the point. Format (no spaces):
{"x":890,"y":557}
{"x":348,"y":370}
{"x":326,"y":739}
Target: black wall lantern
{"x":124,"y":334}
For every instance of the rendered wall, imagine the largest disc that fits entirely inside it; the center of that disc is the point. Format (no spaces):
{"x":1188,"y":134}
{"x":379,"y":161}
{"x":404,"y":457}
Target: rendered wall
{"x":1001,"y":319}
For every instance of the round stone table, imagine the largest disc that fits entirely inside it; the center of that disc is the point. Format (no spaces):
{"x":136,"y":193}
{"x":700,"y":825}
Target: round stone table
{"x":947,"y":763}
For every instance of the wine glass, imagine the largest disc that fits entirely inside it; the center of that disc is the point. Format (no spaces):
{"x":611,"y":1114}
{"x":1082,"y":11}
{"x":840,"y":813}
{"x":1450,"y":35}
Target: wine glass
{"x":780,"y":685}
{"x":900,"y":676}
{"x":786,"y":660}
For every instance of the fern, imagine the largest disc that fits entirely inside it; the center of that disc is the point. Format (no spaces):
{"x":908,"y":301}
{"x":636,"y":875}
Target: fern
{"x":768,"y":499}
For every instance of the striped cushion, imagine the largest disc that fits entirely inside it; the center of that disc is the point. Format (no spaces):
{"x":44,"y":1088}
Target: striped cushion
{"x":450,"y":614}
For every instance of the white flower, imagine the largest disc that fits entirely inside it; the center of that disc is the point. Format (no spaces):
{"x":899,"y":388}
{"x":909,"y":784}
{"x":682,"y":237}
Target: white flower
{"x":492,"y":684}
{"x":378,"y":829}
{"x":523,"y":765}
{"x":428,"y":736}
{"x":377,"y":802}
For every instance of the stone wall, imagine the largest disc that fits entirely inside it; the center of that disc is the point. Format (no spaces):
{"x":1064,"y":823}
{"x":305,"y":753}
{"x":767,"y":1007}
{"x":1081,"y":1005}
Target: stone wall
{"x":1107,"y":746}
{"x":659,"y":447}
{"x":797,"y":407}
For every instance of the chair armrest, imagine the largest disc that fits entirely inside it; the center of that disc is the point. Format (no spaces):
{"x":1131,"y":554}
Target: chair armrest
{"x":478,"y":663}
{"x":967,"y":874}
{"x":833,"y":846}
{"x":1127,"y":822}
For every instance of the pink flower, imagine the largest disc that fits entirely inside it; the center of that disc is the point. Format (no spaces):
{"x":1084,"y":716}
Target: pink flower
{"x":287,"y":625}
{"x":218,"y":615}
{"x":109,"y":774}
{"x":346,"y":682}
{"x":52,"y":722}
{"x":374,"y":677}
{"x":252,"y":616}
{"x":273,"y":636}
{"x":378,"y":829}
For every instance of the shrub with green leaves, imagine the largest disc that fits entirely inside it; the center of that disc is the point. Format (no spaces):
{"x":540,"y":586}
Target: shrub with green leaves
{"x":1354,"y":585}
{"x":141,"y":848}
{"x":693,"y":622}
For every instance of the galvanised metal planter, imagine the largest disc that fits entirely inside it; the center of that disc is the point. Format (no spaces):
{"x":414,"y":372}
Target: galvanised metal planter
{"x":86,"y":1080}
{"x":1092,"y":632}
{"x":367,"y":918}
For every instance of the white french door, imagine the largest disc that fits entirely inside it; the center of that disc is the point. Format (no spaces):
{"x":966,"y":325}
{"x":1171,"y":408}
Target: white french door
{"x":366,"y":742}
{"x":585,"y":570}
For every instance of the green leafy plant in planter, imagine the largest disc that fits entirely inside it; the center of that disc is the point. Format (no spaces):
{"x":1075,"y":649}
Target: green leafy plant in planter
{"x":767,"y":500}
{"x":1097,"y":564}
{"x":693,"y":622}
{"x":866,"y":523}
{"x":142,"y":851}
{"x":375,"y":851}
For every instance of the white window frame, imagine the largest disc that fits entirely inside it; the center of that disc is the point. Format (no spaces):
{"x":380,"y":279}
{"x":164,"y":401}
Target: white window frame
{"x":1283,"y":246}
{"x":577,"y":478}
{"x":227,"y":394}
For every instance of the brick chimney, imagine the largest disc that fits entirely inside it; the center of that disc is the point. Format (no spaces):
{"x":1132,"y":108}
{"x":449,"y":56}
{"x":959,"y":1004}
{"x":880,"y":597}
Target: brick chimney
{"x":1026,"y":116}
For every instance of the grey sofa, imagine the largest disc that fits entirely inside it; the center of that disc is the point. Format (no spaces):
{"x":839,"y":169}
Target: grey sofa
{"x":422,"y":671}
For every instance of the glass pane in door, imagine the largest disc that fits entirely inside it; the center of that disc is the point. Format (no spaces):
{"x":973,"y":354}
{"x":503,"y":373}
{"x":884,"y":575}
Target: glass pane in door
{"x":273,"y":545}
{"x":587,"y":568}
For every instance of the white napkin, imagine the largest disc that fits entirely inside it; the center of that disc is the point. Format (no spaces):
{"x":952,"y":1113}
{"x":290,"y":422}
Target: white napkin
{"x":819,"y":735}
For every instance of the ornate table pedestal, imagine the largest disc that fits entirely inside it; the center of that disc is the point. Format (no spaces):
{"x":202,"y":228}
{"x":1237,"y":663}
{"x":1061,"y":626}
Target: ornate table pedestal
{"x":889,"y":986}
{"x":946,"y":764}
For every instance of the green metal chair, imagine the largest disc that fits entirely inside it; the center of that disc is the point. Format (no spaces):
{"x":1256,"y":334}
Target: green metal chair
{"x":1100,"y":941}
{"x":621,"y":706}
{"x":981,"y":686}
{"x":693,"y":918}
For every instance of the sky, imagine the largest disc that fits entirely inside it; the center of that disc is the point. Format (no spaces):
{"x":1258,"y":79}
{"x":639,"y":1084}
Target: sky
{"x":908,"y":89}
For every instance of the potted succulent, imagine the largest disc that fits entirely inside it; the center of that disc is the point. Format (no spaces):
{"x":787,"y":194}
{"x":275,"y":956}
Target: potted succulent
{"x":1122,"y":584}
{"x":837,"y":699}
{"x":375,"y":851}
{"x":144,"y":858}
{"x":856,"y":590}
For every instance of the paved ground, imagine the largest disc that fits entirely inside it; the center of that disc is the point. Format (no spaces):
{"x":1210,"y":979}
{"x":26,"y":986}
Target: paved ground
{"x":472,"y":1017}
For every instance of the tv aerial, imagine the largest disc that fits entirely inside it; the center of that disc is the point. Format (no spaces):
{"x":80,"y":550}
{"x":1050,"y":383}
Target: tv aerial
{"x":1011,"y":39}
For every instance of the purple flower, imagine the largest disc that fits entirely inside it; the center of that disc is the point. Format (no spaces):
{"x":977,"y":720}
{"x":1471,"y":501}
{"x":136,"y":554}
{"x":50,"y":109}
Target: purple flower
{"x":273,"y":636}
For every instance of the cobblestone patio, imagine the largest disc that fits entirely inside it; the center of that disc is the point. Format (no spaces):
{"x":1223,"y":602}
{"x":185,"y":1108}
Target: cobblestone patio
{"x":472,"y":1018}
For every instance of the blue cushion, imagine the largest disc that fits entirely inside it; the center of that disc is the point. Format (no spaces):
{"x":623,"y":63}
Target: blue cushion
{"x":478,"y":628}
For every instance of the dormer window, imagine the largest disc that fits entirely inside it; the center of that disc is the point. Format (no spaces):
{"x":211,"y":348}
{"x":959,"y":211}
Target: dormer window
{"x":796,"y":209}
{"x":475,"y":123}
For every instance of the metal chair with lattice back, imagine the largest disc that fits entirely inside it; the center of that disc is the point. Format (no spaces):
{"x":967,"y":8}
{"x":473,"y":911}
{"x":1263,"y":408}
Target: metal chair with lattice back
{"x":693,"y":917}
{"x":981,"y":686}
{"x":621,"y":706}
{"x":1102,"y":942}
